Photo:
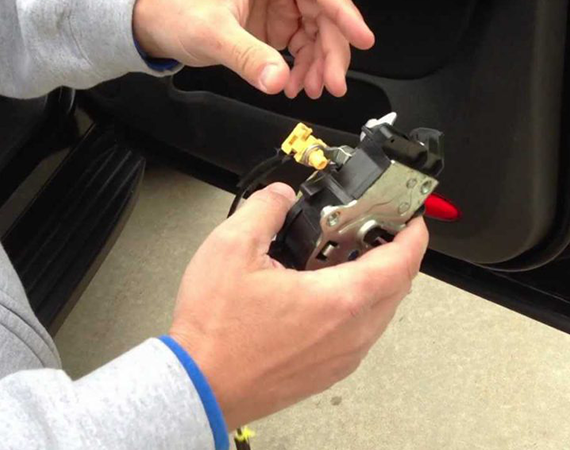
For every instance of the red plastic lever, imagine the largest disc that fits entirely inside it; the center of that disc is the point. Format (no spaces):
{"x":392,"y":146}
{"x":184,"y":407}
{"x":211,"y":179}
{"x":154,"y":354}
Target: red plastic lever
{"x":442,"y":209}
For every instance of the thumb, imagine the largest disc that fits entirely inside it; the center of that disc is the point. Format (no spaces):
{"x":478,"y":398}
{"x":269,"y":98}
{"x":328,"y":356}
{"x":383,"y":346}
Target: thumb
{"x":262,"y":215}
{"x":256,"y":62}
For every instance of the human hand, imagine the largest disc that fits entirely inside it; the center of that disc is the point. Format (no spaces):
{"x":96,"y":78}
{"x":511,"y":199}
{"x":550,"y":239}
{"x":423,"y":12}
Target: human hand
{"x":266,"y":337}
{"x":245,"y":35}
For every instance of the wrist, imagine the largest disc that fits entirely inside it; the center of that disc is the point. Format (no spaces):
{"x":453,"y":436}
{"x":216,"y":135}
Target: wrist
{"x":204,"y":390}
{"x":218,"y":379}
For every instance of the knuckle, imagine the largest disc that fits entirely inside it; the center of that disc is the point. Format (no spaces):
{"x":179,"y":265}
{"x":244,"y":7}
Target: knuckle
{"x":362,"y":283}
{"x":246,"y":57}
{"x":361,"y":340}
{"x":346,"y":367}
{"x":270,"y":199}
{"x":202,"y":23}
{"x":425,"y":237}
{"x":227,"y":237}
{"x":351,"y":303}
{"x":368,"y":339}
{"x":402,"y":285}
{"x":201,"y":27}
{"x":342,"y":301}
{"x":249,"y":243}
{"x":331,"y":299}
{"x":411,"y":266}
{"x":355,"y":298}
{"x":314,"y":287}
{"x":404,"y":268}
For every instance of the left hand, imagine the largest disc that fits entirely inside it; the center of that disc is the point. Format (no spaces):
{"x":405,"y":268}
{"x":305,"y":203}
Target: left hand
{"x":244,"y":35}
{"x":266,"y":337}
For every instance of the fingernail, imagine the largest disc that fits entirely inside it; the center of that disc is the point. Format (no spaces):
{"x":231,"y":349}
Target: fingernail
{"x":292,"y":94}
{"x":282,"y":189}
{"x":298,"y":91}
{"x":269,"y":72}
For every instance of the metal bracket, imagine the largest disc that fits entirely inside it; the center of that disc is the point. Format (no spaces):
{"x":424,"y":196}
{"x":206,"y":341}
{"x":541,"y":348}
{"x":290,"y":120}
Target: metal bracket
{"x":350,"y":230}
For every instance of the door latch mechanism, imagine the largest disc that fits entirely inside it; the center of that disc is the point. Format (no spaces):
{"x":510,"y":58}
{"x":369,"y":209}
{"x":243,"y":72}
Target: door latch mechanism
{"x":357,"y":198}
{"x":362,"y":197}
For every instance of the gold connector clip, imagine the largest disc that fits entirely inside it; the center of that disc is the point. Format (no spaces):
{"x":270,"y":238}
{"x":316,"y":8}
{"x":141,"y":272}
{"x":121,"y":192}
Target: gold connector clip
{"x":305,"y":148}
{"x":244,"y":434}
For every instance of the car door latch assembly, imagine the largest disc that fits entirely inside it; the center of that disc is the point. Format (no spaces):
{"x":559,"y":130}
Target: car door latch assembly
{"x":357,"y":198}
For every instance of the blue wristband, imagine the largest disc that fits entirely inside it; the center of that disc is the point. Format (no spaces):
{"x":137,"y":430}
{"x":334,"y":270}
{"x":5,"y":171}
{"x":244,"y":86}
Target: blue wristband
{"x":213,"y":411}
{"x":158,"y":64}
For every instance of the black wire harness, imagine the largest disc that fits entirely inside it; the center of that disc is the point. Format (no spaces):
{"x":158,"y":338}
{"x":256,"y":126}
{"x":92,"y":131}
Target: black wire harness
{"x":252,"y":181}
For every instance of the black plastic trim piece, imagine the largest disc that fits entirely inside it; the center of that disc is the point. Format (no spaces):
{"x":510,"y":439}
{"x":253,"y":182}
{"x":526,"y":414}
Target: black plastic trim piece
{"x":58,"y":243}
{"x":558,"y":240}
{"x":54,"y":130}
{"x":414,"y":39}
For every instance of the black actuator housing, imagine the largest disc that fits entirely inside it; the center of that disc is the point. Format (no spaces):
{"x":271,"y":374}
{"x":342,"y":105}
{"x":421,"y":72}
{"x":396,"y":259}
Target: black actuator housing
{"x":342,"y":184}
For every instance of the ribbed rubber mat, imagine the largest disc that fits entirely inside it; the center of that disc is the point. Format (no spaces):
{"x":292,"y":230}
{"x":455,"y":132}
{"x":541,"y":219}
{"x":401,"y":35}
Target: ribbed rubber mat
{"x":58,"y":243}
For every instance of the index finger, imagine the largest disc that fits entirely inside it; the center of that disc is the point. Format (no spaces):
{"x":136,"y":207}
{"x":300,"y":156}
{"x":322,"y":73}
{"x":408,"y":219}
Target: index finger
{"x":350,"y":22}
{"x":409,"y":245}
{"x":415,"y":236}
{"x":384,"y":272}
{"x":337,"y":56}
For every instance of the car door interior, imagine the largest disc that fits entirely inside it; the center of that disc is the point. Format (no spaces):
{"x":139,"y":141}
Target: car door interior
{"x":490,"y":74}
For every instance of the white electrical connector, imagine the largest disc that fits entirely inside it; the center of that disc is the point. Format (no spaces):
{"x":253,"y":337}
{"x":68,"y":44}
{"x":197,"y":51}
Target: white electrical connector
{"x":390,"y":119}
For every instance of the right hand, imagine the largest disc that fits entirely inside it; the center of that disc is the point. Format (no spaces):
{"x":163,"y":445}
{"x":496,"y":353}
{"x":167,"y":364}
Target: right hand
{"x":245,"y":35}
{"x":266,"y":337}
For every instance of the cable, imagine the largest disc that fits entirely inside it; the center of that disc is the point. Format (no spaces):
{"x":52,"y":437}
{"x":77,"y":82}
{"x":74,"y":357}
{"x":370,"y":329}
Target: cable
{"x":250,"y":182}
{"x":242,"y":437}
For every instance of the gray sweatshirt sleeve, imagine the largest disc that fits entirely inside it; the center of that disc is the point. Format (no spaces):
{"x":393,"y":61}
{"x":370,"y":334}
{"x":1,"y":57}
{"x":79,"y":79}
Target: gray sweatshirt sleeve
{"x":45,"y":44}
{"x":151,"y":397}
{"x":144,"y":399}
